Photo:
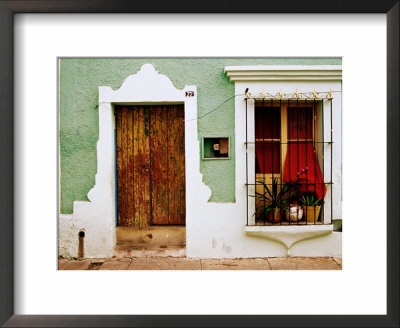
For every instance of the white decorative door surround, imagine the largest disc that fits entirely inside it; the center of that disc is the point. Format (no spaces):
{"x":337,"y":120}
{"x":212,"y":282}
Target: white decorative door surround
{"x":97,"y":216}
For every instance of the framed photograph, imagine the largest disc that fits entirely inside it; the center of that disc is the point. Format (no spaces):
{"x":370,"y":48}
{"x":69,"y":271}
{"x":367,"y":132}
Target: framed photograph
{"x":72,"y":71}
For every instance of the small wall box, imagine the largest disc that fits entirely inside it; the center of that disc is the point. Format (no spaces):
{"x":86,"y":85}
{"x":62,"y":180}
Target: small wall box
{"x":216,"y":148}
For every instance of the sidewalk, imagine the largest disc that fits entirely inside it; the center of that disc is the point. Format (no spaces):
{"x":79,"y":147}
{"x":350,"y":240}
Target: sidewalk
{"x":183,"y":263}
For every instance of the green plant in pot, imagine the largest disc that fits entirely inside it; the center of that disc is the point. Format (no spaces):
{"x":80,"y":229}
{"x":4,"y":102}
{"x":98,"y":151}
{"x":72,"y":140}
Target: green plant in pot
{"x":271,"y":202}
{"x":312,"y":206}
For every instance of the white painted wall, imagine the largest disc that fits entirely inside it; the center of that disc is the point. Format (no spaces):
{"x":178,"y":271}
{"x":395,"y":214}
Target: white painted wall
{"x":219,"y":230}
{"x":213,"y":230}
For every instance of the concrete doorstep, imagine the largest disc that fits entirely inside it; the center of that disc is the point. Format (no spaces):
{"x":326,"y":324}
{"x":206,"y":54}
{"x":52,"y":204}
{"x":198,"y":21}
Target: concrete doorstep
{"x":183,"y":263}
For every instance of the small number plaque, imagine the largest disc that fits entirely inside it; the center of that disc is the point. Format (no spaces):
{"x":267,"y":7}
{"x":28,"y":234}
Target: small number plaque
{"x":189,"y":93}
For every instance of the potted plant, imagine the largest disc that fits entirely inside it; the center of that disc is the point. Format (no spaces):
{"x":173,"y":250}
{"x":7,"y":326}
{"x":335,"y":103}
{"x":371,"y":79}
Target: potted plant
{"x":272,"y":202}
{"x":312,"y":206}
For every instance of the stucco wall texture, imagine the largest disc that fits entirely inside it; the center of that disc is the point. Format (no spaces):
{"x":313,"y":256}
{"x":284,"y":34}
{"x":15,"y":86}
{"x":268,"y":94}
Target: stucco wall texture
{"x":78,"y":126}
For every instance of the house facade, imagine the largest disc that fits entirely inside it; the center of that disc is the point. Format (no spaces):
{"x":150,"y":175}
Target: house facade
{"x":231,"y":157}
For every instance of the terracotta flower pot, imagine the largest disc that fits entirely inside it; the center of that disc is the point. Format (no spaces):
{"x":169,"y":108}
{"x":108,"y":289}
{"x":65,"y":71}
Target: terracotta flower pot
{"x":274,"y":216}
{"x":312,"y":213}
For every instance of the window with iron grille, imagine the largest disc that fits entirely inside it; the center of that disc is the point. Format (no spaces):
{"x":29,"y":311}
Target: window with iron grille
{"x":292,"y":162}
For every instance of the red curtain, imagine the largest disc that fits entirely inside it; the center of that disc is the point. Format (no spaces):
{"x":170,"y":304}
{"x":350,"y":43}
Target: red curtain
{"x":268,"y":157}
{"x":301,"y":163}
{"x":268,"y":126}
{"x":301,"y":166}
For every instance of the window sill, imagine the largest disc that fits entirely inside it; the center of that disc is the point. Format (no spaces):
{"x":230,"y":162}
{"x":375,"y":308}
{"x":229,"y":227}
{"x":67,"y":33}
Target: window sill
{"x":289,"y":235}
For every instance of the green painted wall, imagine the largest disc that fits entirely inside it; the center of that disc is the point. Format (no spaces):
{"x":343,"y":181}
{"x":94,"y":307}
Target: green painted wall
{"x":79,"y":81}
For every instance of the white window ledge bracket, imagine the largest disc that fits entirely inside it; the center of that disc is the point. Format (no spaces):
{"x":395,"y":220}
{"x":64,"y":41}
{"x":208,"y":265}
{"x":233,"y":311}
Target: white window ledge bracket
{"x":289,"y":235}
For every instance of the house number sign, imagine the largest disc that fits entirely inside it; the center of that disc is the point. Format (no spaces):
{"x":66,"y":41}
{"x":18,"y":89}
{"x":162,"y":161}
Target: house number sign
{"x":189,"y":94}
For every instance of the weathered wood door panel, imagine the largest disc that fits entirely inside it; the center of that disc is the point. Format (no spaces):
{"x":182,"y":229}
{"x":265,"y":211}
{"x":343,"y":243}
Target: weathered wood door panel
{"x":150,"y":165}
{"x":167,"y":149}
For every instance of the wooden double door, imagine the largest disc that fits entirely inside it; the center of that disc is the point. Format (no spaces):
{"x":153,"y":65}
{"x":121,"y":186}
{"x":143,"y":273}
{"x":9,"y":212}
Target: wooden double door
{"x":150,"y":165}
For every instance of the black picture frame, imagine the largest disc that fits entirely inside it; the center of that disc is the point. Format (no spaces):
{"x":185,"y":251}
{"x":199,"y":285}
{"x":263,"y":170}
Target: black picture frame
{"x":10,"y":7}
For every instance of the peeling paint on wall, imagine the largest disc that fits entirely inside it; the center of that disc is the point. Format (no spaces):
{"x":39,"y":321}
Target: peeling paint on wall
{"x":79,"y":81}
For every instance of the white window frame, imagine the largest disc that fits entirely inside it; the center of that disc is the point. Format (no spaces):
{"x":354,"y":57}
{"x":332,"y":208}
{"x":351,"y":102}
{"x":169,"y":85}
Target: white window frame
{"x":285,"y":79}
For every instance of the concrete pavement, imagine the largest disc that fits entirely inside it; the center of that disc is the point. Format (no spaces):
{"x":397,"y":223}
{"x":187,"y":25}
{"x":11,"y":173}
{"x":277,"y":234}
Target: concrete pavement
{"x":183,"y":263}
